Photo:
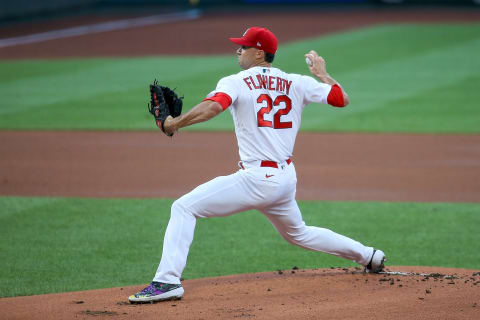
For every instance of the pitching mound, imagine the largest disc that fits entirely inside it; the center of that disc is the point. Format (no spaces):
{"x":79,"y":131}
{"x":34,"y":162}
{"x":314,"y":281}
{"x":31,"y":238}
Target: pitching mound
{"x":430,"y":293}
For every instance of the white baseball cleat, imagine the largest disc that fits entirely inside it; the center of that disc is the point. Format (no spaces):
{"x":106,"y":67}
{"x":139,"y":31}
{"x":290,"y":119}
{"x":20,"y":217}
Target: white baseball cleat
{"x":376,"y":263}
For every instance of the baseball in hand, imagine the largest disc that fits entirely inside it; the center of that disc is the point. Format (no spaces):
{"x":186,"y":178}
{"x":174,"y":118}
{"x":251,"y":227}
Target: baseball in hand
{"x":308,"y":61}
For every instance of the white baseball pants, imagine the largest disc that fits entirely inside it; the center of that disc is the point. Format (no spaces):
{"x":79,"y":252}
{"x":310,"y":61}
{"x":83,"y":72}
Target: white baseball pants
{"x":269,"y":190}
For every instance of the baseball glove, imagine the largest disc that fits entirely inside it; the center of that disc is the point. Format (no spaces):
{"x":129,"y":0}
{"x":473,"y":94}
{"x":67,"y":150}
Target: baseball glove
{"x":164,"y":102}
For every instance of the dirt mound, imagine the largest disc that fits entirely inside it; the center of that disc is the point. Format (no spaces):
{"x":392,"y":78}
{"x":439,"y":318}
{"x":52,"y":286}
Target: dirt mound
{"x":339,"y":293}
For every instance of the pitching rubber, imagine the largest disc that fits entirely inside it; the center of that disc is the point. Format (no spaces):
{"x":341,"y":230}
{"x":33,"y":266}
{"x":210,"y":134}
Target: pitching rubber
{"x":175,"y":294}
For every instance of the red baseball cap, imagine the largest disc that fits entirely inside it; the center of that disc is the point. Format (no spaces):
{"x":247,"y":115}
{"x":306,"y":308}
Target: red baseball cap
{"x":260,"y":38}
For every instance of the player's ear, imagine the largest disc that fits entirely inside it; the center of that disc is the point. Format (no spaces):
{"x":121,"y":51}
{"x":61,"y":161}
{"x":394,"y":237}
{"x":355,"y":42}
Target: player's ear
{"x":261,"y":54}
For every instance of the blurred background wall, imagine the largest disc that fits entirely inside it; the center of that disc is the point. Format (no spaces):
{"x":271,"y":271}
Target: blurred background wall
{"x":25,"y":9}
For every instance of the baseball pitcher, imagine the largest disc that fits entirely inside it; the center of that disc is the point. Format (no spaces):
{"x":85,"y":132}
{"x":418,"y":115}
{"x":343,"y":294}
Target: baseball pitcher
{"x":266,"y":104}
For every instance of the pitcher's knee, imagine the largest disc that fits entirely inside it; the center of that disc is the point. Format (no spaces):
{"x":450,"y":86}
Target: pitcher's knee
{"x":181,"y":207}
{"x":296,"y":238}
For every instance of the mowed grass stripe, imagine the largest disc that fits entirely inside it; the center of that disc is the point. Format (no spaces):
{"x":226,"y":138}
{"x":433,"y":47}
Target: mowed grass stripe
{"x":364,"y":48}
{"x":95,"y":77}
{"x":66,"y":244}
{"x":378,"y":66}
{"x":412,"y":81}
{"x":438,"y":110}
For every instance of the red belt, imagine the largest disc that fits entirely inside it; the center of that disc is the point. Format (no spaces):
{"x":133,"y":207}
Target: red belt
{"x":266,"y":163}
{"x":271,"y":164}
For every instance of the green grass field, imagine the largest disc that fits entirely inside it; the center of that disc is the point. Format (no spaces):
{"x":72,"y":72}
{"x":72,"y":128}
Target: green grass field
{"x":401,"y":78}
{"x":62,"y":244}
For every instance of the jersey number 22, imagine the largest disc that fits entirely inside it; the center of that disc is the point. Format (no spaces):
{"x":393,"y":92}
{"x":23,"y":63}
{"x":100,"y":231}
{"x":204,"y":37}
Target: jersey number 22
{"x":277,"y":123}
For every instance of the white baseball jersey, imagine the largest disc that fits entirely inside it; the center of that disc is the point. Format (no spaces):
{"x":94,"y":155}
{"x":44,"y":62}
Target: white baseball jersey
{"x":267,"y":104}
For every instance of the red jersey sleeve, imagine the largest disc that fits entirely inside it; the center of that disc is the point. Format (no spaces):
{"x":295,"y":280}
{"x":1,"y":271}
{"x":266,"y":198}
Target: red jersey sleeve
{"x":335,"y":97}
{"x":222,"y":98}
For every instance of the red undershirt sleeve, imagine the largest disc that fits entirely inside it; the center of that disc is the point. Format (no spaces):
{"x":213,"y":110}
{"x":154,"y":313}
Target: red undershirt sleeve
{"x":335,"y":97}
{"x":222,"y":98}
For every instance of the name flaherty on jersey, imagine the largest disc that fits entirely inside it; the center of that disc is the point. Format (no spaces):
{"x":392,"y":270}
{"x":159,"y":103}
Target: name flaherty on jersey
{"x":269,"y":83}
{"x":275,"y":80}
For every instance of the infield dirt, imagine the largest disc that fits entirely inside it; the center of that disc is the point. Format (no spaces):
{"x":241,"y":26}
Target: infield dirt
{"x":353,"y":167}
{"x":339,"y":167}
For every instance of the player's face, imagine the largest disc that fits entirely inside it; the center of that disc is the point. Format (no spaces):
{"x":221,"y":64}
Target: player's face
{"x":246,"y":56}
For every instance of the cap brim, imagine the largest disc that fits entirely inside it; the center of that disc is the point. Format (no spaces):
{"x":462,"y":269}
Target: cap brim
{"x":240,"y":41}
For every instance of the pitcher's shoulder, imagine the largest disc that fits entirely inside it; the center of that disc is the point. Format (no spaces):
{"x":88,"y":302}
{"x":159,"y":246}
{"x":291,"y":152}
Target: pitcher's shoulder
{"x":288,"y":75}
{"x":230,"y":78}
{"x":236,"y":76}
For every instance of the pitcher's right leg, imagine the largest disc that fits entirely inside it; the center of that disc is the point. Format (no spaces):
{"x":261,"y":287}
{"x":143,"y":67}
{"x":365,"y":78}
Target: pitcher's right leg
{"x":288,"y":221}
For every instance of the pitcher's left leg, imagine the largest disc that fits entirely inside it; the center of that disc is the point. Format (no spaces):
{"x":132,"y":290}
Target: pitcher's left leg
{"x":219,"y":197}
